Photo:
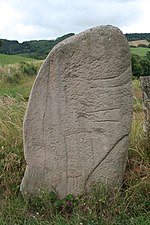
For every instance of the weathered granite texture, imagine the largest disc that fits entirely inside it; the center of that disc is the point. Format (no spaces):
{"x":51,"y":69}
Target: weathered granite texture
{"x":145,"y":85}
{"x":79,"y":115}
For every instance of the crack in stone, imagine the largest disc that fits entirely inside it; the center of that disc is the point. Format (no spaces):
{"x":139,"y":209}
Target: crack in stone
{"x":112,"y":78}
{"x":106,"y":121}
{"x":74,"y":176}
{"x":126,"y":135}
{"x":103,"y":110}
{"x":119,"y":86}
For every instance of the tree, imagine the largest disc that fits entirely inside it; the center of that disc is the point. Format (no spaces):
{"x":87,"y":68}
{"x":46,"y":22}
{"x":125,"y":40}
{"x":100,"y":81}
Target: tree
{"x":145,"y":63}
{"x":137,"y":68}
{"x":148,"y":55}
{"x":142,"y":45}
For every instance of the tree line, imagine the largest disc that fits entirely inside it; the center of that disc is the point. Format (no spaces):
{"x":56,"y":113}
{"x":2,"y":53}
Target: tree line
{"x":38,"y":49}
{"x":138,"y":36}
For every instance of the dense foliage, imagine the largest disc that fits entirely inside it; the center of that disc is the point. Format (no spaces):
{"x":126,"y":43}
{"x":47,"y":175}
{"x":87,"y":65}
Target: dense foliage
{"x":138,"y":36}
{"x":141,"y":65}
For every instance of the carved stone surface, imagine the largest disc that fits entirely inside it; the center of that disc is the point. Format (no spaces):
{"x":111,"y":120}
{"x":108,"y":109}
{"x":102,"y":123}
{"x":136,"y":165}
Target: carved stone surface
{"x":145,"y":85}
{"x":79,"y":115}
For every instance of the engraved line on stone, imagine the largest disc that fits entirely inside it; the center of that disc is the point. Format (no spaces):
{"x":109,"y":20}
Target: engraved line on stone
{"x":92,"y":149}
{"x":119,"y":86}
{"x":104,"y":110}
{"x":126,"y":135}
{"x":106,"y":121}
{"x":74,"y":176}
{"x":112,"y":78}
{"x":84,"y":115}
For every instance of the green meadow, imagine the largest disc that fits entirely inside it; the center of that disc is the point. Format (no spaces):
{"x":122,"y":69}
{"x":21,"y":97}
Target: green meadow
{"x":12,"y":59}
{"x":139,"y":51}
{"x":129,"y":205}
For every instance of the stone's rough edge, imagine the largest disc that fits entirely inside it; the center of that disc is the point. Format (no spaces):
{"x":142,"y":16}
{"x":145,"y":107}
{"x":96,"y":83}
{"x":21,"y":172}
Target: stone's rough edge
{"x":145,"y":86}
{"x":46,"y":61}
{"x":70,"y":39}
{"x":45,"y":64}
{"x":67,"y":41}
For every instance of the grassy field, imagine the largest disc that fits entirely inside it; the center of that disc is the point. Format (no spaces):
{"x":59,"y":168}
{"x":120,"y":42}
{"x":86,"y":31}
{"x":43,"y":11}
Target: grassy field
{"x":128,"y":206}
{"x":12,"y":59}
{"x":139,"y":51}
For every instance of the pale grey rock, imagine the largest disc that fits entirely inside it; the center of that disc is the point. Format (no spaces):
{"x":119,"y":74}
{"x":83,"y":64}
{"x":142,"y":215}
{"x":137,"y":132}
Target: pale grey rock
{"x":78,"y":119}
{"x":145,"y":85}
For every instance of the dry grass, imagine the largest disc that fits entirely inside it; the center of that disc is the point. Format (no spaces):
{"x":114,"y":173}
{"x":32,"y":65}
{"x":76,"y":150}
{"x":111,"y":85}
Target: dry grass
{"x":136,"y":43}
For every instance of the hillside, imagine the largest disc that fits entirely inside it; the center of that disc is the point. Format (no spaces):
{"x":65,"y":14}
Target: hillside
{"x":39,"y":49}
{"x":36,"y":49}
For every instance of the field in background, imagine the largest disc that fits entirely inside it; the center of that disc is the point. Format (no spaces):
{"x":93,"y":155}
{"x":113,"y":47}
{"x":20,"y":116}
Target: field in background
{"x":12,"y":59}
{"x":139,"y":51}
{"x":138,"y":42}
{"x":129,"y":205}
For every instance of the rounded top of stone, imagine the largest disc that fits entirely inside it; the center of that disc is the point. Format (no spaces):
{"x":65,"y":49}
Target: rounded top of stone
{"x":105,"y":30}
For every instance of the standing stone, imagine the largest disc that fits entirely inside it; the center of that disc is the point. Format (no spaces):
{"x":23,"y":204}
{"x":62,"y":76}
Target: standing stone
{"x":78,"y":119}
{"x":145,"y":85}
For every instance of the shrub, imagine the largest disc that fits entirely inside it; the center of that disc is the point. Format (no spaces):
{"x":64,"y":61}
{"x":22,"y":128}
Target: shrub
{"x":142,"y":45}
{"x":12,"y":75}
{"x":140,"y":65}
{"x":28,"y":68}
{"x":148,"y":55}
{"x":132,"y":46}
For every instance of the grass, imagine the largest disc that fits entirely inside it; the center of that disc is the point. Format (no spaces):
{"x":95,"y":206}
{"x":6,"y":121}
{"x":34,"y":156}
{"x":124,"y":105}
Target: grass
{"x":13,"y":59}
{"x":130,"y":205}
{"x":139,"y":51}
{"x":17,"y":91}
{"x":16,"y":83}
